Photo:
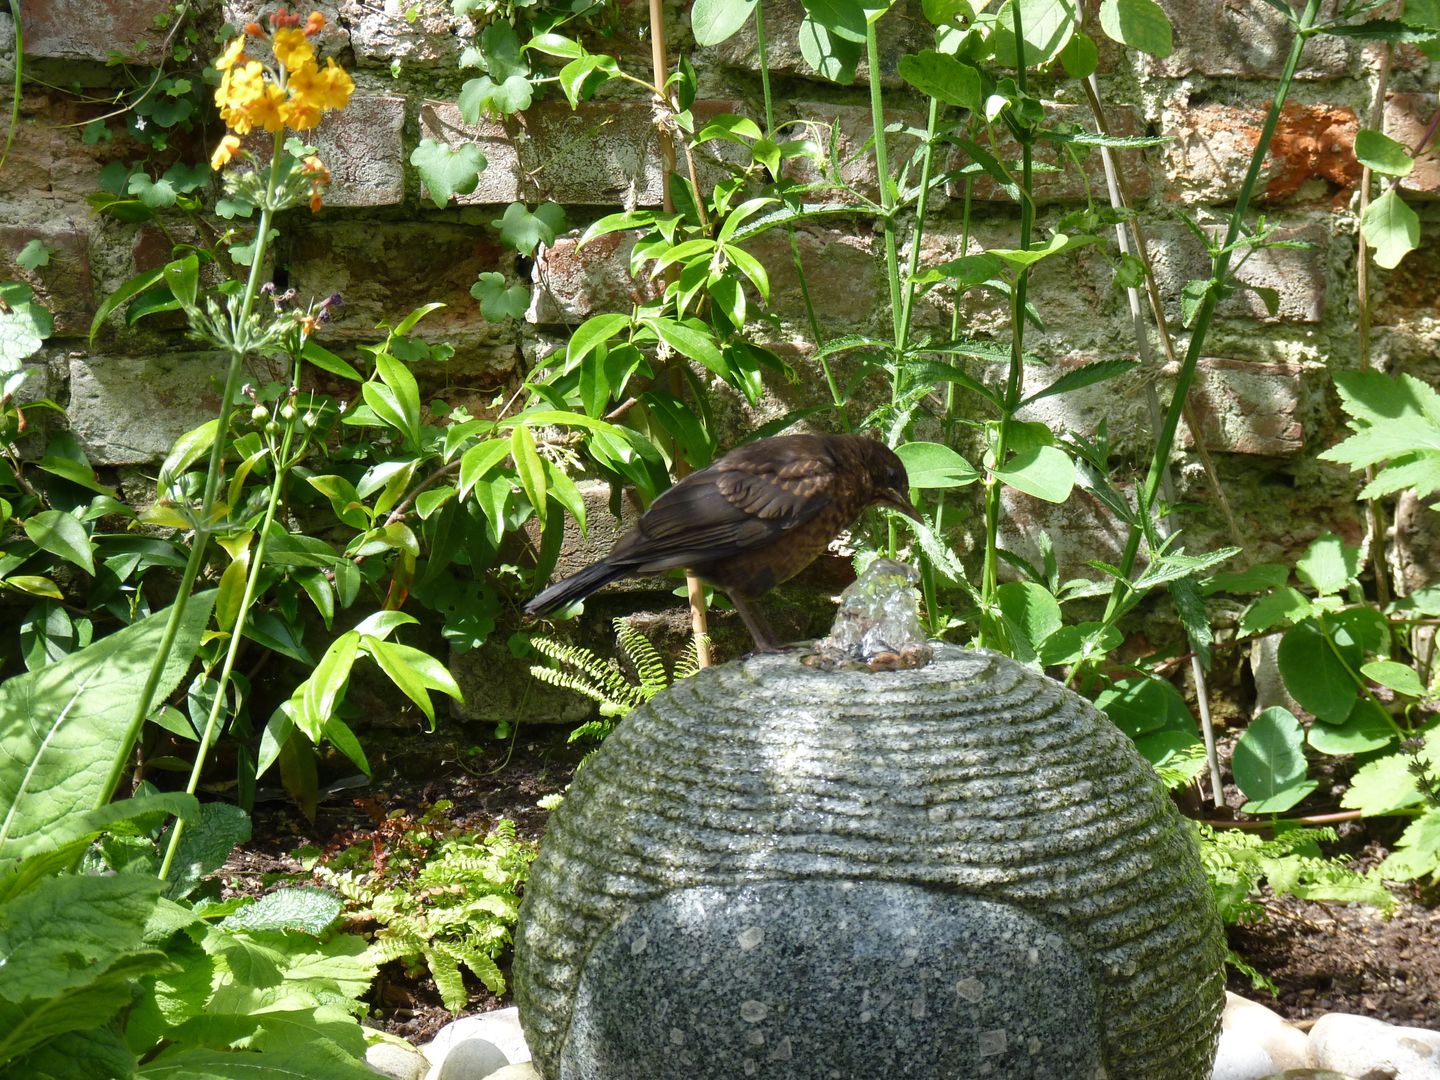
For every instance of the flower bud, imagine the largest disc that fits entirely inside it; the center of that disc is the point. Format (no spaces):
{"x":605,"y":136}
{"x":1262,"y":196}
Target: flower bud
{"x":272,"y":428}
{"x":310,"y":419}
{"x":287,"y":412}
{"x":259,"y":413}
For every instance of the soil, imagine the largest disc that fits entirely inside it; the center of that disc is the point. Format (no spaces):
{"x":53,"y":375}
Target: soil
{"x":1322,"y":958}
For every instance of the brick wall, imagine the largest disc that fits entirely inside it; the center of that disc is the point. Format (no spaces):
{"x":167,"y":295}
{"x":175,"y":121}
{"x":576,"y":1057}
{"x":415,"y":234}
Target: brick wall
{"x":1263,"y":395}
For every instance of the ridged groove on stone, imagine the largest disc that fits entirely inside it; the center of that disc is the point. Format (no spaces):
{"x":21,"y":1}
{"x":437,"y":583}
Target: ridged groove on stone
{"x":973,"y":773}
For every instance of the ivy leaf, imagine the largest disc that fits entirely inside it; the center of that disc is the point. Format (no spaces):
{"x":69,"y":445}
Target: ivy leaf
{"x":525,"y":230}
{"x":34,"y":255}
{"x":446,"y":171}
{"x":24,"y":326}
{"x":1391,"y":228}
{"x":502,"y":51}
{"x":497,"y":303}
{"x":156,"y":194}
{"x":485,"y":97}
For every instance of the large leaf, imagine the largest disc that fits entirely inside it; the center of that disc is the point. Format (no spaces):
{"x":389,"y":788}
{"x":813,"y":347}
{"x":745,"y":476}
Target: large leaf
{"x":61,"y":726}
{"x":1140,"y":24}
{"x":1391,"y":228}
{"x":935,"y":465}
{"x":1317,"y":670}
{"x":714,"y":21}
{"x":1269,"y":763}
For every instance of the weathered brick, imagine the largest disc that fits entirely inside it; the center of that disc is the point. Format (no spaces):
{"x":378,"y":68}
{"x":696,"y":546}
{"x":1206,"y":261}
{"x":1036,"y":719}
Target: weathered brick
{"x":382,"y":34}
{"x":363,"y":148}
{"x":63,"y":284}
{"x":572,"y":283}
{"x":603,"y":154}
{"x":1298,"y":275}
{"x":382,"y":270}
{"x":1119,"y":402}
{"x":47,"y":160}
{"x":843,"y":270}
{"x":1212,"y":146}
{"x":1080,"y":529}
{"x":1219,"y":37}
{"x":1411,"y":292}
{"x":782,"y":45}
{"x":94,"y":29}
{"x":1248,"y":408}
{"x":127,"y":410}
{"x":1407,"y":117}
{"x":1068,"y":185}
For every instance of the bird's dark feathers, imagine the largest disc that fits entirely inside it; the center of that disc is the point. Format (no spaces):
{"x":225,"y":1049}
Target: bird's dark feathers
{"x":751,"y":520}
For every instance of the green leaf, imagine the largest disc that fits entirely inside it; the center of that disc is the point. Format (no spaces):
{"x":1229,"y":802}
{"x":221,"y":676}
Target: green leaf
{"x":1417,"y":852}
{"x":829,"y":55}
{"x":590,"y":334}
{"x":1328,"y":565}
{"x":445,"y":171}
{"x":1047,"y":26}
{"x":526,"y":231}
{"x":1139,"y":24}
{"x":934,"y":465}
{"x":943,"y":78}
{"x":1269,"y":762}
{"x":396,"y":399}
{"x":1383,"y":786}
{"x":576,"y":76}
{"x":689,"y":342}
{"x":315,"y":1059}
{"x":1141,"y":706}
{"x":1253,"y":579}
{"x":1382,"y":154}
{"x":1391,"y":228}
{"x":1402,"y":678}
{"x":844,"y":19}
{"x":1367,"y":728}
{"x":498,"y":303}
{"x":325,"y":360}
{"x":1315,"y":675}
{"x":1046,"y":472}
{"x":1192,"y":297}
{"x":714,"y":21}
{"x":479,"y":460}
{"x":60,"y":534}
{"x":34,"y":255}
{"x":1392,"y":418}
{"x":24,"y":326}
{"x":156,"y":194}
{"x":530,"y":469}
{"x":413,"y":672}
{"x":1080,"y":57}
{"x":205,"y":844}
{"x":307,"y":909}
{"x":1086,"y":375}
{"x":1279,"y":608}
{"x":1018,"y":258}
{"x":484,"y":97}
{"x":1030,"y":612}
{"x":321,"y":692}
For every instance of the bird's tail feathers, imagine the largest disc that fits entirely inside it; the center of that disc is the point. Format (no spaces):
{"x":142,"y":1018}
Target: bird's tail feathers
{"x":576,"y":587}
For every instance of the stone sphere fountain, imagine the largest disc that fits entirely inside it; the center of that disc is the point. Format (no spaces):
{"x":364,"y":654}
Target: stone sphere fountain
{"x":803,"y":872}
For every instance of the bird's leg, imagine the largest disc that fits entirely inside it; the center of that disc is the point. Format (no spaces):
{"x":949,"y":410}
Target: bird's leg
{"x":760,"y":631}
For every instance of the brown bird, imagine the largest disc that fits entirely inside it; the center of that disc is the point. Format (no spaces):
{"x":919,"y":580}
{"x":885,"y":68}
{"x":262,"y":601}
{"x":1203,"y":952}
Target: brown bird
{"x":751,"y":520}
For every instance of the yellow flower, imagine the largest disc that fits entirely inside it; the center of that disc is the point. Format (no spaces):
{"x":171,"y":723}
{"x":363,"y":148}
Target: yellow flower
{"x":307,"y":92}
{"x":338,"y":86}
{"x":224,"y":152}
{"x":292,"y":48}
{"x":232,"y":54}
{"x":248,"y":100}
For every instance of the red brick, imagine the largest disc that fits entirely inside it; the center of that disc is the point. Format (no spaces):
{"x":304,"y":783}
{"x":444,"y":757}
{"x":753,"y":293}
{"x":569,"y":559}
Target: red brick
{"x":64,"y":284}
{"x":1312,"y":154}
{"x":47,"y":159}
{"x":94,"y":29}
{"x":843,"y":270}
{"x":1407,"y":117}
{"x":1248,"y":408}
{"x":603,"y":154}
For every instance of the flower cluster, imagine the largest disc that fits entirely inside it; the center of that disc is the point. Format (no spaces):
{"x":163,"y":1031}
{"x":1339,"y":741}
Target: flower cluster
{"x":293,"y":94}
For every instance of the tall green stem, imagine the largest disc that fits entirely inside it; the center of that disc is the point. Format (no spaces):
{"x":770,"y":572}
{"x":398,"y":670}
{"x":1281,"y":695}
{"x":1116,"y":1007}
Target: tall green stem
{"x":1015,"y":377}
{"x":1220,"y":266}
{"x":239,"y":328}
{"x":237,"y":632}
{"x":887,"y":194}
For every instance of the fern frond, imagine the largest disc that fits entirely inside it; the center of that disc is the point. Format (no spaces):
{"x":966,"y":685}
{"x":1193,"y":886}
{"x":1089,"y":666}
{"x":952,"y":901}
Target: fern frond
{"x":485,"y":970}
{"x":644,"y":657}
{"x":445,"y":969}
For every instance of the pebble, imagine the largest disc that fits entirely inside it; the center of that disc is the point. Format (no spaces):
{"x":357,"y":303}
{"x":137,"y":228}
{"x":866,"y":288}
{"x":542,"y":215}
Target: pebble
{"x":478,"y":1047}
{"x":1366,"y":1047}
{"x":1255,"y":1044}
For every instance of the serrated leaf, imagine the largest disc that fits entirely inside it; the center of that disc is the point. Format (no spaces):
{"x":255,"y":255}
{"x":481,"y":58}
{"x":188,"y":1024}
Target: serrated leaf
{"x":1281,"y":607}
{"x":943,"y":78}
{"x":1417,"y":852}
{"x":1328,"y":564}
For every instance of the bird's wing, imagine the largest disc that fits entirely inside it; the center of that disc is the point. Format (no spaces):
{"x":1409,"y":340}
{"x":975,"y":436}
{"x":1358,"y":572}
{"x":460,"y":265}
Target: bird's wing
{"x":742,"y":502}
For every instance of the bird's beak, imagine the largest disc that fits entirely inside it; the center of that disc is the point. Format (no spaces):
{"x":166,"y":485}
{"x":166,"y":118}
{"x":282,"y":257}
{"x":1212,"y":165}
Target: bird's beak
{"x":899,"y":500}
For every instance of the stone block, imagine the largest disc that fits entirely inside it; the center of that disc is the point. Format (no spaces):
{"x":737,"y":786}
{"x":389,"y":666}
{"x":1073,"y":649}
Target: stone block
{"x":1312,"y":154}
{"x":49,"y":164}
{"x":606,"y":153}
{"x":127,"y":410}
{"x":1120,"y":402}
{"x":94,"y":29}
{"x":844,"y":271}
{"x":853,"y":128}
{"x":382,"y":270}
{"x":1410,"y":293}
{"x":1248,"y":41}
{"x":1068,"y":184}
{"x":572,"y":283}
{"x":64,"y":284}
{"x":1080,"y":530}
{"x":1298,"y":275}
{"x":1248,"y":408}
{"x":381,"y":33}
{"x":363,"y":148}
{"x":1406,"y":118}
